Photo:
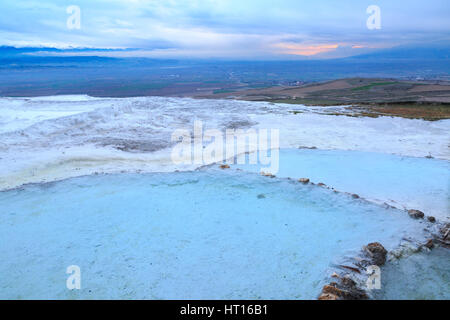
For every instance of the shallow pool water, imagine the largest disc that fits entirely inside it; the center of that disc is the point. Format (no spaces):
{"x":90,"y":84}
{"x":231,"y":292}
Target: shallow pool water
{"x":208,"y":234}
{"x":421,"y":276}
{"x":405,"y":182}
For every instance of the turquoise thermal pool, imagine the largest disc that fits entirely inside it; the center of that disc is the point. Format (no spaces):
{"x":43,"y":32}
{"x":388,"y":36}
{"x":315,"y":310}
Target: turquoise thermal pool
{"x":404,"y":182}
{"x":208,"y":234}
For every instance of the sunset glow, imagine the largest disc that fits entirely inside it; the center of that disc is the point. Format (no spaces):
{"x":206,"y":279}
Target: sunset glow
{"x":305,"y":50}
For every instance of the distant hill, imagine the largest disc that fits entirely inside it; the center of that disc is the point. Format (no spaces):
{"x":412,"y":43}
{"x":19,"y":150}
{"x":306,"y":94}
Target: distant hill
{"x":441,"y":52}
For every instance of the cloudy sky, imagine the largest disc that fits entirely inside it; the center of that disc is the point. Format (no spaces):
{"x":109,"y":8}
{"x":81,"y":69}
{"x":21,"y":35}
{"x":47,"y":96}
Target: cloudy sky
{"x":225,"y":28}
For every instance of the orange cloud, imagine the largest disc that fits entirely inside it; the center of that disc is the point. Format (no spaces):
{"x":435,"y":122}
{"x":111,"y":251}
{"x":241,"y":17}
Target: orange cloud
{"x":305,"y":50}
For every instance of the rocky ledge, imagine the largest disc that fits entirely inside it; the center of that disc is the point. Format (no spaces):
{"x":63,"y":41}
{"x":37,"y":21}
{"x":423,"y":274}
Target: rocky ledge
{"x":348,"y":289}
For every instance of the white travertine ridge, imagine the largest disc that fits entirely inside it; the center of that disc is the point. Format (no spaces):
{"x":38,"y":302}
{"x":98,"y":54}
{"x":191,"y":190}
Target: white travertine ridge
{"x":51,"y":138}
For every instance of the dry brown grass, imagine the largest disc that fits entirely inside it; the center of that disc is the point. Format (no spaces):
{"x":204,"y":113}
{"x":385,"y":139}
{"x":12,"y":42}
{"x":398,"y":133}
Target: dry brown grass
{"x":414,"y":111}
